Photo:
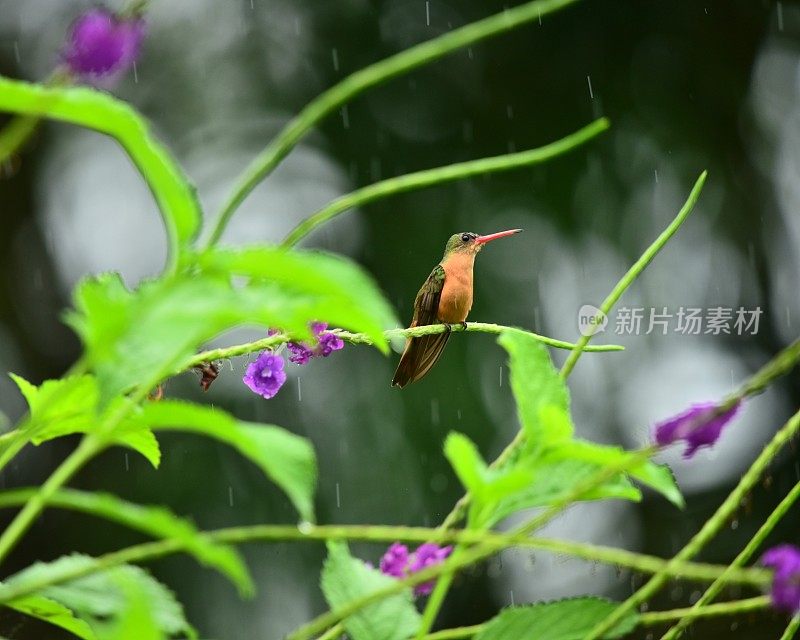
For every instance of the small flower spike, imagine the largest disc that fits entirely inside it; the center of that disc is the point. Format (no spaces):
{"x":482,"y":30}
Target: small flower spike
{"x":699,"y":426}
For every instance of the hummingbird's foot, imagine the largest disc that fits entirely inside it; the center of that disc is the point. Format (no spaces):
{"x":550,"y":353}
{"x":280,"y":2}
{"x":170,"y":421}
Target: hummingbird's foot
{"x":451,"y":326}
{"x":463,"y":325}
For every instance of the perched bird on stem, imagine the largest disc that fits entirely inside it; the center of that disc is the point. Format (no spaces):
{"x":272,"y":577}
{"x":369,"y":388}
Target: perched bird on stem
{"x":446,"y":297}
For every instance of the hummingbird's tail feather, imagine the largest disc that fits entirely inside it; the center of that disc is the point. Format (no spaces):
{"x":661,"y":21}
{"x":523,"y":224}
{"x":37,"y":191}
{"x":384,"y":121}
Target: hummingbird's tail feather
{"x":418,"y":357}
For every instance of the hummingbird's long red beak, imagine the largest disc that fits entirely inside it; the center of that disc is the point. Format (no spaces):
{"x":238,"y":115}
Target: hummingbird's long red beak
{"x":495,"y":236}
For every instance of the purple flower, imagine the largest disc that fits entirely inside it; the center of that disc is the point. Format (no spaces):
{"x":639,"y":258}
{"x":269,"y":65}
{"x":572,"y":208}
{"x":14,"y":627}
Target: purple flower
{"x":700,"y":426}
{"x":425,"y":556}
{"x":301,"y":354}
{"x":265,"y":376}
{"x":100,"y":43}
{"x":785,"y":591}
{"x":398,"y":563}
{"x":327,"y":343}
{"x":395,"y":561}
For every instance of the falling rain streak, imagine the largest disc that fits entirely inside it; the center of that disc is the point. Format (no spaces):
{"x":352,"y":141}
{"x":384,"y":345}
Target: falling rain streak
{"x":591,"y":93}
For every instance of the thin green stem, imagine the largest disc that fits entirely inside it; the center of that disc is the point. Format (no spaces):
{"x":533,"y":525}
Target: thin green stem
{"x":334,"y":633}
{"x":712,"y":610}
{"x":744,"y":556}
{"x":754,"y":577}
{"x":791,"y":629}
{"x":776,"y":367}
{"x":15,"y":134}
{"x":454,"y":634}
{"x":440,"y":175}
{"x":361,"y":338}
{"x":645,"y":619}
{"x":19,"y":525}
{"x":709,"y":529}
{"x":636,"y":270}
{"x":365,"y":78}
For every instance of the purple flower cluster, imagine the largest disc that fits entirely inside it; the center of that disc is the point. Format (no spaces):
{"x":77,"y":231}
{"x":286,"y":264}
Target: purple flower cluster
{"x":265,"y":376}
{"x":785,"y":592}
{"x":101,"y":43}
{"x":399,"y":563}
{"x":326,"y":344}
{"x":699,"y":426}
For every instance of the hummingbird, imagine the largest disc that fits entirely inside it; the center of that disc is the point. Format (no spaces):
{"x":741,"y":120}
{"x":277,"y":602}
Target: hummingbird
{"x":446,"y":297}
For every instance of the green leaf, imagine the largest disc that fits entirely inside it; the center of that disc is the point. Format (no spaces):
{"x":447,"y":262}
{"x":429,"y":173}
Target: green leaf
{"x":71,"y":405}
{"x":657,"y":477}
{"x":102,"y":112}
{"x":345,"y":578}
{"x":561,"y":620}
{"x":54,"y":613}
{"x":542,"y":397}
{"x":313,"y":273}
{"x":136,"y":620}
{"x":156,"y":521}
{"x":288,"y":460}
{"x":97,"y":597}
{"x":466,"y":462}
{"x":487,"y":486}
{"x":555,"y":480}
{"x":154,"y":331}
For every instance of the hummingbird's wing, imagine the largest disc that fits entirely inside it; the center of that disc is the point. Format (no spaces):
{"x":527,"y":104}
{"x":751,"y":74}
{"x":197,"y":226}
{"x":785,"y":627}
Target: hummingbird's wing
{"x":421,"y":353}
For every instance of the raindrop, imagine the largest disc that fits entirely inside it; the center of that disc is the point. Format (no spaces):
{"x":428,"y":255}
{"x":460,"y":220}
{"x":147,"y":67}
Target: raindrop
{"x":297,"y":25}
{"x":694,"y":597}
{"x":735,"y":625}
{"x":230,"y":495}
{"x":734,"y":524}
{"x":469,"y":52}
{"x":591,"y":93}
{"x":458,"y":413}
{"x":655,"y":172}
{"x":427,"y":13}
{"x":299,"y":391}
{"x":135,"y":73}
{"x":345,"y":117}
{"x":509,"y":112}
{"x":779,"y":7}
{"x":644,"y":607}
{"x":788,"y":317}
{"x":338,"y":497}
{"x":540,"y":17}
{"x":511,"y":596}
{"x":335,"y":55}
{"x":501,"y":375}
{"x":305,"y":527}
{"x":16,"y":51}
{"x":435,"y":411}
{"x":127,"y":463}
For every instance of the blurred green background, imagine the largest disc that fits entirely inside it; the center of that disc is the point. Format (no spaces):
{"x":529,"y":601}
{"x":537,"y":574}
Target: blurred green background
{"x":688,"y":86}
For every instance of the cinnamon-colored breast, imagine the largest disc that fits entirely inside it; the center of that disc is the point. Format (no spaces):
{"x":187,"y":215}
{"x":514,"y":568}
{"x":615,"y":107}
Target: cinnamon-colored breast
{"x":456,"y":298}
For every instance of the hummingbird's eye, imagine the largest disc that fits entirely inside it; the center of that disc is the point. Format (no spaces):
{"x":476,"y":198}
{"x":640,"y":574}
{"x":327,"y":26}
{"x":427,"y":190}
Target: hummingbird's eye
{"x":465,"y":237}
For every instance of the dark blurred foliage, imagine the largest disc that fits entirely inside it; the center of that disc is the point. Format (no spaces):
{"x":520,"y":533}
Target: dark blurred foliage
{"x":680,"y":83}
